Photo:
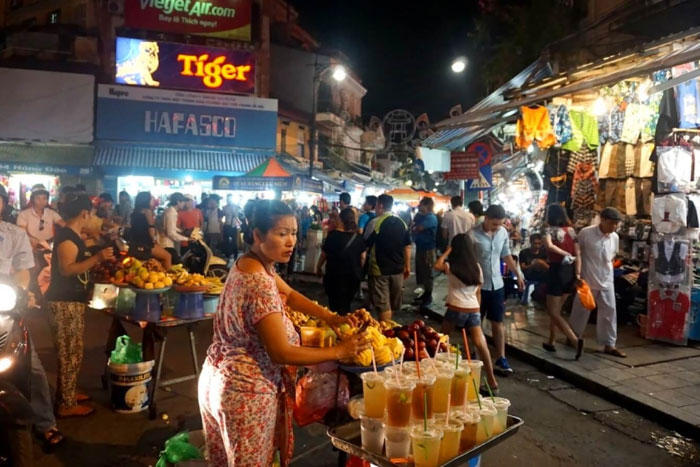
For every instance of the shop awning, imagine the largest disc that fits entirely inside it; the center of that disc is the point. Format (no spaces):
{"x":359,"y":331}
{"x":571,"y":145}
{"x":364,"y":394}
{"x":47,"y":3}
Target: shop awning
{"x":56,"y":159}
{"x":269,"y":168}
{"x":178,"y":158}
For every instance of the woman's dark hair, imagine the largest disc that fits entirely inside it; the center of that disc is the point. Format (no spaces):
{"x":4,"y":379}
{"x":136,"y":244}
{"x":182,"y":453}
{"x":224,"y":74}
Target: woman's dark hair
{"x":263,"y":214}
{"x":142,"y":201}
{"x":557,"y":217}
{"x":462,"y":259}
{"x":74,"y":204}
{"x":347,"y":217}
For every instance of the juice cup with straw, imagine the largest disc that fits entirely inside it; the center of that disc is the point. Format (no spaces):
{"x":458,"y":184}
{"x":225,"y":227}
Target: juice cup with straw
{"x":501,"y":422}
{"x":488,"y":413}
{"x":374,"y":394}
{"x":399,"y":394}
{"x":397,"y":441}
{"x":460,"y":385}
{"x":449,"y":445}
{"x":470,"y":420}
{"x":426,"y":446}
{"x":475,"y":375}
{"x":444,"y":357}
{"x":424,"y":385}
{"x":372,"y":433}
{"x":442,"y":389}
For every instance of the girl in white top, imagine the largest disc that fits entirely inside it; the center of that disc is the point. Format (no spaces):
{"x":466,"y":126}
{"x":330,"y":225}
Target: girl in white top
{"x":464,"y":279}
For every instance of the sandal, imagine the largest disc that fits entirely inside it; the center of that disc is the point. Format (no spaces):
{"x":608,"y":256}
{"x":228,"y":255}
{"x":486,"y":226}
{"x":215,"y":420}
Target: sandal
{"x":79,"y":397}
{"x":549,"y":347}
{"x":615,"y":352}
{"x":579,"y":349}
{"x":75,"y":411}
{"x":51,"y":438}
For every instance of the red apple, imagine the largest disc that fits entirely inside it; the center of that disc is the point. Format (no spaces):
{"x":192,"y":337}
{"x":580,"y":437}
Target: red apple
{"x":421,"y":345}
{"x":403,"y":335}
{"x":420,"y":323}
{"x":409,"y":354}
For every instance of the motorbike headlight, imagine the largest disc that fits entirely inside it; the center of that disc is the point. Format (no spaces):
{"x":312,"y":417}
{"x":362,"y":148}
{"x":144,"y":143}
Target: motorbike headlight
{"x":8,"y":297}
{"x":5,"y":363}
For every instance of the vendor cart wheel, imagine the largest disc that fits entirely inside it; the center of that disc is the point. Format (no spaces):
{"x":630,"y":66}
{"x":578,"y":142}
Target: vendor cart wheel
{"x":152,"y":411}
{"x":219,"y":271}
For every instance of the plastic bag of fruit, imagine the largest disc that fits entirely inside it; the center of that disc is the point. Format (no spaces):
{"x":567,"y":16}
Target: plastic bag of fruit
{"x":317,"y":393}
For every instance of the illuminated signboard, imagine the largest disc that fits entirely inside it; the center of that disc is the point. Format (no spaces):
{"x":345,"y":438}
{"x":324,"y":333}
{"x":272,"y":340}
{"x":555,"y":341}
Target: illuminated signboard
{"x":227,"y":19}
{"x":184,"y":66}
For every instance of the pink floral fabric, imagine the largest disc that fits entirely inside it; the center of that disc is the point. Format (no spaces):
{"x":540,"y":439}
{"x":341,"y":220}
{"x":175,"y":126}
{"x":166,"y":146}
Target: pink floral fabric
{"x":245,"y":399}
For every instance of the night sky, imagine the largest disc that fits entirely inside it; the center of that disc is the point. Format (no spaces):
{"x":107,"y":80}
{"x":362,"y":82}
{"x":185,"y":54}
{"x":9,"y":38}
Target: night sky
{"x":401,"y":50}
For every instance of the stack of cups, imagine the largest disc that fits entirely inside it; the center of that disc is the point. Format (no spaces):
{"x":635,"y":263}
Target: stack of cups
{"x":460,"y":385}
{"x":372,"y":418}
{"x":442,"y":389}
{"x":501,"y":423}
{"x":452,"y":431}
{"x":399,"y":398}
{"x":474,"y":379}
{"x":485,"y":429}
{"x":470,"y":420}
{"x":426,"y":446}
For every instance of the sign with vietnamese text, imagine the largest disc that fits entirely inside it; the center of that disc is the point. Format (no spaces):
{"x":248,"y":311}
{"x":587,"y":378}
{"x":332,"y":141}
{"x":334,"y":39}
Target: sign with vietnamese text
{"x":463,"y":166}
{"x":294,"y":183}
{"x":137,"y":114}
{"x":226,"y":19}
{"x":184,"y":66}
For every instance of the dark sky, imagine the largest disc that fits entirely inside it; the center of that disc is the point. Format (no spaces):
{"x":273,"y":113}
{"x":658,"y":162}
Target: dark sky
{"x":401,"y":50}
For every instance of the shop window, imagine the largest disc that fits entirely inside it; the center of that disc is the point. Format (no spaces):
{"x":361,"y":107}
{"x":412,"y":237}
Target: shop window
{"x":54,"y":17}
{"x":300,"y":141}
{"x":300,"y":150}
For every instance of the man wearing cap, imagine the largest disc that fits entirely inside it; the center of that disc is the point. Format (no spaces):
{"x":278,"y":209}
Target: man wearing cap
{"x":599,"y":244}
{"x":172,"y":239}
{"x":38,"y":219}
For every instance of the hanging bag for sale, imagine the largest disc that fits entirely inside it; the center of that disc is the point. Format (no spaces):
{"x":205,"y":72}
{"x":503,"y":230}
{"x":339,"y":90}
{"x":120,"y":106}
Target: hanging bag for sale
{"x":585,"y":295}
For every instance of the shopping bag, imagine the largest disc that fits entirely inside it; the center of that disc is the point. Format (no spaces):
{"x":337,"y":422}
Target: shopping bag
{"x":178,"y":449}
{"x":126,"y":351}
{"x":585,"y":295}
{"x":317,"y":393}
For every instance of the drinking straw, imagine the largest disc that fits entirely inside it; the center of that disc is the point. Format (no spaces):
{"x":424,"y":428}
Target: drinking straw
{"x":476,"y":390}
{"x":457,"y":358}
{"x":401,"y":363}
{"x":396,"y":373}
{"x":466,"y":345}
{"x":415,"y":346}
{"x":374,"y":362}
{"x":425,"y":411}
{"x":449,"y":399}
{"x":488,"y":386}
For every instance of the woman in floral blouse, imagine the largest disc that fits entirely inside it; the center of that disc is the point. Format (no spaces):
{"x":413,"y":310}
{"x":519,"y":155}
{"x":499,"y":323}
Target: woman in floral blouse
{"x":245,"y":389}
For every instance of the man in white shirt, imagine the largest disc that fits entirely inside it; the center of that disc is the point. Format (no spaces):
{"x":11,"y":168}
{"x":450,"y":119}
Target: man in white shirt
{"x":599,"y":245}
{"x":38,"y":219}
{"x":456,"y":221}
{"x":172,"y":239}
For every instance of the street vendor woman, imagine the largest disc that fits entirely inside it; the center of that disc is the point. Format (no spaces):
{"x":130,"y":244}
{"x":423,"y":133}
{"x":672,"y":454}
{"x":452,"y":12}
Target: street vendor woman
{"x":245,"y":389}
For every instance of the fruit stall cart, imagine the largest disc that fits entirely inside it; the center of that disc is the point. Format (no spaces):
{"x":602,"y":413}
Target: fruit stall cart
{"x":144,"y":295}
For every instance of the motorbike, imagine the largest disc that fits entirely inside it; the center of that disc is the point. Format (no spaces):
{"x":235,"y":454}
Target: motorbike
{"x":15,"y":372}
{"x":200,"y":259}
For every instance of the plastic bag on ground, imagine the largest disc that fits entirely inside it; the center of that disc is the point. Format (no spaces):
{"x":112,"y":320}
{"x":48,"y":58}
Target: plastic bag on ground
{"x":316,"y":395}
{"x":125,"y":351}
{"x":178,"y":449}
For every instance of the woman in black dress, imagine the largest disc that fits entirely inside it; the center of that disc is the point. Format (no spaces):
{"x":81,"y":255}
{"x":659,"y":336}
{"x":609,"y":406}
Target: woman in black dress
{"x":143,"y":230}
{"x":344,"y":251}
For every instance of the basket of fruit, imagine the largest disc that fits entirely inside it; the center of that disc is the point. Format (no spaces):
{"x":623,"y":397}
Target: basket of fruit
{"x":387,"y":350}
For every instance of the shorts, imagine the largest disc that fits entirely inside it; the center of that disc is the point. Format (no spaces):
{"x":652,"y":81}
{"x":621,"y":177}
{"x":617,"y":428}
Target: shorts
{"x":385,"y":292}
{"x":561,"y":279}
{"x":493,"y":304}
{"x":463,"y":319}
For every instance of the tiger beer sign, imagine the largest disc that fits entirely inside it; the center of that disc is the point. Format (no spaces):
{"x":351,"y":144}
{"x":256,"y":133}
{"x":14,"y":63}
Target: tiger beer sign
{"x":226,"y":19}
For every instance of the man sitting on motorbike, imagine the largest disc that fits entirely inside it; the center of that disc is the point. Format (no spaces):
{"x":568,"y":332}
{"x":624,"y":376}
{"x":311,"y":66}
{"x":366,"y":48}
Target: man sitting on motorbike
{"x":16,"y":259}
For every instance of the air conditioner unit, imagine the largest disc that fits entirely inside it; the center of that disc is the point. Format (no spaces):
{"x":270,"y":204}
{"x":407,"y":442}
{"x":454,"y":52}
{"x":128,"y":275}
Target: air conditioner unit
{"x":115,"y":7}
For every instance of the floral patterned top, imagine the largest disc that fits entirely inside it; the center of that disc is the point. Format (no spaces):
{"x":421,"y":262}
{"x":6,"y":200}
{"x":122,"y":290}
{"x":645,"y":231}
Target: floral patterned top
{"x":246,"y":299}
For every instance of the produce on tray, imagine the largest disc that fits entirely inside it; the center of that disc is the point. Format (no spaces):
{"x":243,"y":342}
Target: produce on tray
{"x":386,"y":349}
{"x":147,"y":275}
{"x":429,"y":340}
{"x":105,"y":271}
{"x":297,"y":318}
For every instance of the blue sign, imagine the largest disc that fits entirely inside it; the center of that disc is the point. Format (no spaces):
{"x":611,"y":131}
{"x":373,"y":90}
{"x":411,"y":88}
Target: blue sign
{"x":485,"y":180}
{"x":22,"y":167}
{"x":126,"y":113}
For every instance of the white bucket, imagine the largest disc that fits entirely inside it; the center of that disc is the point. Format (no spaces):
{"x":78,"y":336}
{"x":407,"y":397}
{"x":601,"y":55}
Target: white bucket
{"x":129,"y":385}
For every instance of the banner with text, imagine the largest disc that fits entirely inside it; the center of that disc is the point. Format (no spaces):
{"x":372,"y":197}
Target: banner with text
{"x":128,"y":113}
{"x":463,"y":166}
{"x":227,"y":19}
{"x":294,"y":183}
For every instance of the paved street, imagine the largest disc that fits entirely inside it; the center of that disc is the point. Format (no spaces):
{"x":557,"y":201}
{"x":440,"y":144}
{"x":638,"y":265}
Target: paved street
{"x":563,"y":425}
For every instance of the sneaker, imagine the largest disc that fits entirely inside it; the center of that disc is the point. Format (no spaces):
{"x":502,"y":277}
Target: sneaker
{"x":502,"y":367}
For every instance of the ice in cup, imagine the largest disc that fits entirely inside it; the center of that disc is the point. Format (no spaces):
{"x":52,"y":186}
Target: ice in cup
{"x":374,"y":394}
{"x":501,"y":422}
{"x":397,"y":441}
{"x":474,"y":377}
{"x":451,"y":435}
{"x":442,"y":389}
{"x":424,"y":386}
{"x":460,"y":385}
{"x":470,"y":421}
{"x":399,"y":395}
{"x":372,"y":433}
{"x":426,"y":446}
{"x":488,"y":414}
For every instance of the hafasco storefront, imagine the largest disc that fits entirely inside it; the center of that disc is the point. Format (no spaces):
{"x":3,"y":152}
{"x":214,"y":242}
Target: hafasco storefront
{"x":164,"y":141}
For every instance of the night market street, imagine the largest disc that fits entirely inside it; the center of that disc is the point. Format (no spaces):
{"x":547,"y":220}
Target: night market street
{"x":564,"y":426}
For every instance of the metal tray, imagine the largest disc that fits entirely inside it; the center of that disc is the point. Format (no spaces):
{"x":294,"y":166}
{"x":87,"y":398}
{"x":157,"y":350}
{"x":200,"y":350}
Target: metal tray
{"x":347,"y":439}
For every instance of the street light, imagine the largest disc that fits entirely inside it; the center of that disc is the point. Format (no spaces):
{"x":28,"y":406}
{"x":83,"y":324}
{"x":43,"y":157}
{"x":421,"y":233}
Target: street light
{"x":339,"y":74}
{"x":459,"y":64}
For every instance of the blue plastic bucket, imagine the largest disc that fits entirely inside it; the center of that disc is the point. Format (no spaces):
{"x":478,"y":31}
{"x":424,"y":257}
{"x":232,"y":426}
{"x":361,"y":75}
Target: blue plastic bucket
{"x":190,"y":306}
{"x":147,"y":307}
{"x":129,"y":385}
{"x":210,"y":305}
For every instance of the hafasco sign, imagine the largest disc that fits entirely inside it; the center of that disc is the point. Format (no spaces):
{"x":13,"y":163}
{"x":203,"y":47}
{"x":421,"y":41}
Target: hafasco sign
{"x":170,"y":65}
{"x":227,"y":19}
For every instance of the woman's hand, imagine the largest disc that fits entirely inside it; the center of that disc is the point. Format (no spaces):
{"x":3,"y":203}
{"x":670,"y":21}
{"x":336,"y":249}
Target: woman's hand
{"x":352,"y":346}
{"x":337,"y":320}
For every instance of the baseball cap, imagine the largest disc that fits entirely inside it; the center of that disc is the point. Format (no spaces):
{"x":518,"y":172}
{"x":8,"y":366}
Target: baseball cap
{"x":611,"y":213}
{"x":189,"y":197}
{"x":177,"y":197}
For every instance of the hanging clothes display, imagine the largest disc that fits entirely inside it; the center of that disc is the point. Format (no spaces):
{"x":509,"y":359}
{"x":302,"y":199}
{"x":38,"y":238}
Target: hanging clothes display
{"x":534,"y":126}
{"x":688,"y":102}
{"x":636,"y":118}
{"x":643,"y":166}
{"x":583,"y":190}
{"x":561,"y":123}
{"x":584,"y":128}
{"x":674,"y":169}
{"x":668,"y":316}
{"x":671,"y":259}
{"x":669,"y":213}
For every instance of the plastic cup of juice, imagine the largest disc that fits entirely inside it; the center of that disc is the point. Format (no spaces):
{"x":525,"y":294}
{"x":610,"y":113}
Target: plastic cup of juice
{"x":451,"y":435}
{"x":410,"y":366}
{"x":426,"y":446}
{"x":470,"y":420}
{"x":444,"y":357}
{"x":374,"y":394}
{"x":397,"y":441}
{"x":475,"y":375}
{"x":424,"y":386}
{"x":372,"y":433}
{"x":488,"y":414}
{"x":399,"y":395}
{"x":442,"y":389}
{"x":460,"y":385}
{"x":501,"y":422}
